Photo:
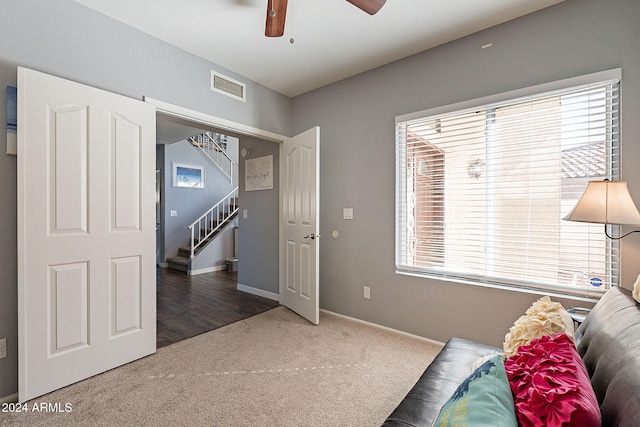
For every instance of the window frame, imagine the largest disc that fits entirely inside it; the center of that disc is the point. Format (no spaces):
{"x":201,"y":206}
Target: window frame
{"x":494,"y":101}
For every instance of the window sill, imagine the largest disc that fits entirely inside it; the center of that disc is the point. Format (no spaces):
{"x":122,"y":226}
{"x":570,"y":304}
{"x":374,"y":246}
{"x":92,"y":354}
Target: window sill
{"x":583,"y":295}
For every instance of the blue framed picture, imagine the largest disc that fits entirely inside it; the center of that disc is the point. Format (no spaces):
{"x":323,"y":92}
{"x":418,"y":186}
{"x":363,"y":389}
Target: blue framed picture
{"x":188,"y":176}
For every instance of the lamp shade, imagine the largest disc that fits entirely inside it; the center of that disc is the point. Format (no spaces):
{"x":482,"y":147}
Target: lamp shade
{"x":606,"y":202}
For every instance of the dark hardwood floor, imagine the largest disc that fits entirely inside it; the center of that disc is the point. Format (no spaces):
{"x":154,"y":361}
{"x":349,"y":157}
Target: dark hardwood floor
{"x":191,"y":305}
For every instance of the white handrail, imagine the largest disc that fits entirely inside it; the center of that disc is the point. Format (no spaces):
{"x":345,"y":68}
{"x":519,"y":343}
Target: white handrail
{"x":215,"y":153}
{"x":222,"y":149}
{"x":212,"y":220}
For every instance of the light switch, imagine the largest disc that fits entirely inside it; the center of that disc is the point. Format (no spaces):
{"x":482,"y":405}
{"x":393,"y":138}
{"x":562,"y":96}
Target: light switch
{"x":174,"y":213}
{"x":347,"y":213}
{"x":245,"y":213}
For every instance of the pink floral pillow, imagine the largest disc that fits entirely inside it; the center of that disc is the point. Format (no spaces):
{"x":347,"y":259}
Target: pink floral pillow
{"x":550,"y":385}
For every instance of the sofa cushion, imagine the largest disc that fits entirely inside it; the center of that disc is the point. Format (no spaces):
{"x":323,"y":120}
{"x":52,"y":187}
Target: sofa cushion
{"x":551,"y":386}
{"x":482,"y":399}
{"x":441,"y":378}
{"x":609,"y":342}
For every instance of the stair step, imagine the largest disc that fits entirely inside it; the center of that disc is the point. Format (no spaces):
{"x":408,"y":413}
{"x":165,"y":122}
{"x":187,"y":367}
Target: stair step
{"x":185,"y":251}
{"x":179,"y":263}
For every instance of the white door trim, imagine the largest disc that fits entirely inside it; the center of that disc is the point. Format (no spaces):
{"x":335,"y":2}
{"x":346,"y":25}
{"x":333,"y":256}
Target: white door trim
{"x":214,"y":121}
{"x":195,"y":116}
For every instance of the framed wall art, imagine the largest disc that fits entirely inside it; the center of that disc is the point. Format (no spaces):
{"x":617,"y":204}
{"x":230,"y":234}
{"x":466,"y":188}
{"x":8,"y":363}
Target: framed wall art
{"x":258,"y":174}
{"x":188,"y":176}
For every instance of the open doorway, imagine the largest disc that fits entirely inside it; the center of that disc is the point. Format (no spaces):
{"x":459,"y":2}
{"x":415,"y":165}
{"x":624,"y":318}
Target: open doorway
{"x":211,"y":296}
{"x":198,"y":202}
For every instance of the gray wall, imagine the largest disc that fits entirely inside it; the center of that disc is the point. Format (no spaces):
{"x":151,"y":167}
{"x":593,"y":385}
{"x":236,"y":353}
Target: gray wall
{"x":69,"y":40}
{"x":356,"y":117}
{"x":8,"y":247}
{"x":258,"y":234}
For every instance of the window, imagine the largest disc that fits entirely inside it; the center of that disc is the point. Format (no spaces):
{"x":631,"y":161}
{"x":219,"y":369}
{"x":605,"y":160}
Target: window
{"x":482,"y":187}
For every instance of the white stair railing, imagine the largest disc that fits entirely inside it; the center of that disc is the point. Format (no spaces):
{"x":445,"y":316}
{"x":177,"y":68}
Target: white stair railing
{"x":210,"y":146}
{"x":212,"y":220}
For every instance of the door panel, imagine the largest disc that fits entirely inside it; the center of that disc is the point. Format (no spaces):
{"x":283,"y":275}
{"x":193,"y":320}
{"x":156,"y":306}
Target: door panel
{"x":307,"y":212}
{"x":126,"y":173}
{"x":307,"y":281}
{"x":86,"y":235}
{"x":68,"y":307}
{"x":300,"y":189}
{"x":125,"y":295}
{"x":66,"y":141}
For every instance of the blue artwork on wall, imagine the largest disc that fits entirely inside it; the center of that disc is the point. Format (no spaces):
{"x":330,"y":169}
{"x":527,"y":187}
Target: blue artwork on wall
{"x":12,"y":119}
{"x":188,"y":176}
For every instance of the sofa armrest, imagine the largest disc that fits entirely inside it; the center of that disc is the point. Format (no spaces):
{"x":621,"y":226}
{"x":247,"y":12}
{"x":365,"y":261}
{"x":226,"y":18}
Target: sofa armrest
{"x":609,"y":343}
{"x":450,"y":367}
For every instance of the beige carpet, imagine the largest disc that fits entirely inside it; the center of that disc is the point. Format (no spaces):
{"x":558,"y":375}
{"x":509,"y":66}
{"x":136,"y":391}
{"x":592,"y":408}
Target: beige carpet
{"x":273,"y":369}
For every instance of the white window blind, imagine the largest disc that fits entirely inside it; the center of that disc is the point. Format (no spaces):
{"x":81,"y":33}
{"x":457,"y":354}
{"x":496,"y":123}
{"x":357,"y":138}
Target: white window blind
{"x":481,"y":190}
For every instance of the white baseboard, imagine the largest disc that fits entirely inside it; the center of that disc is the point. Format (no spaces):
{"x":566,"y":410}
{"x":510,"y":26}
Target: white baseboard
{"x":259,"y":292}
{"x":12,"y":143}
{"x":375,"y":325}
{"x":208,"y":269}
{"x":9,"y":399}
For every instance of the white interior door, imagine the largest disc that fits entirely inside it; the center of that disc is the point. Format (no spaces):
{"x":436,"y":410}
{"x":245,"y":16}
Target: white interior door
{"x":86,"y":232}
{"x":299,"y":167}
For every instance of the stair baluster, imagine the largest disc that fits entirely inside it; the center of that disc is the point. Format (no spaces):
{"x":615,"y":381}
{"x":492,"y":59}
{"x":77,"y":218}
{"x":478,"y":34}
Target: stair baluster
{"x":214,"y":149}
{"x":213,"y":220}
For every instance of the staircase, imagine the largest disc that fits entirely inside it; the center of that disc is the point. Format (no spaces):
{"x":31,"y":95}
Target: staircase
{"x":204,"y":230}
{"x":214,"y":147}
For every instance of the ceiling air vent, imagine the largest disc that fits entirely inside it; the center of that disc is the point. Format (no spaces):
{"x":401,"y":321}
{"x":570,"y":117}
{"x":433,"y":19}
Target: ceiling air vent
{"x":228,"y":86}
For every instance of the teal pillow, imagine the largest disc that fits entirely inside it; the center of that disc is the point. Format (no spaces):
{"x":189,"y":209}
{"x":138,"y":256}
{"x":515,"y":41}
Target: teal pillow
{"x":483,"y":399}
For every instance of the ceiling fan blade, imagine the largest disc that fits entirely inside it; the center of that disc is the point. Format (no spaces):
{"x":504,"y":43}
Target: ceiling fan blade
{"x":276,"y":15}
{"x":370,"y":6}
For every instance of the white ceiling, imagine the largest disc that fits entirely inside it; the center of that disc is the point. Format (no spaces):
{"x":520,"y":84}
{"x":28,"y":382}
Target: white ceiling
{"x":333,"y":39}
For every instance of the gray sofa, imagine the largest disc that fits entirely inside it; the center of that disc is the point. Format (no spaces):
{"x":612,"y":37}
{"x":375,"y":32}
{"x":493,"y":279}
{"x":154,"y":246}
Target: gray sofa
{"x":608,"y":341}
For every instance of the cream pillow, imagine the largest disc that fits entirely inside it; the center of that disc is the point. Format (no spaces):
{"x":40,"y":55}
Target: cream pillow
{"x":545,"y":305}
{"x":544,"y":317}
{"x":636,"y":289}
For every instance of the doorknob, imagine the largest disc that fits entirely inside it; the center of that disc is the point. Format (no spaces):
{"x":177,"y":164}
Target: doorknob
{"x":312,"y":236}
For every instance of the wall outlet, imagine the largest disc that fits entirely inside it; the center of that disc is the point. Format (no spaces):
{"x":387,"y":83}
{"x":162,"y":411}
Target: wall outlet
{"x":367,"y":292}
{"x":3,"y":348}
